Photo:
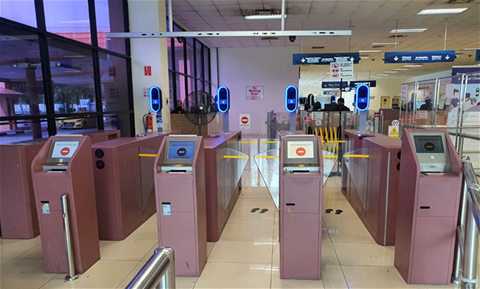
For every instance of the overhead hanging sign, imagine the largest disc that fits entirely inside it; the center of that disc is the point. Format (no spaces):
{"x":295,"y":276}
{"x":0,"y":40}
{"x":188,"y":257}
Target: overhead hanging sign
{"x":371,"y":83}
{"x":420,"y":56}
{"x":324,"y":58}
{"x":334,"y":84}
{"x":477,"y":57}
{"x":473,"y":73}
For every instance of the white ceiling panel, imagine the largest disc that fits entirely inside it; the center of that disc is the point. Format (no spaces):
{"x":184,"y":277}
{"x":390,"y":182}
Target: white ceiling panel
{"x":369,"y":20}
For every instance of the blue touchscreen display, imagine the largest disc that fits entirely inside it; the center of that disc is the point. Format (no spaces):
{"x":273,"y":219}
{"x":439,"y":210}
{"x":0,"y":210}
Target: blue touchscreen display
{"x":181,"y":150}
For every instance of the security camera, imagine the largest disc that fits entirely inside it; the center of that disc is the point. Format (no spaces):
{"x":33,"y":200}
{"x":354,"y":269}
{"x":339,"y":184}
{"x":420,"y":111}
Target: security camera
{"x":292,"y":38}
{"x":180,"y":39}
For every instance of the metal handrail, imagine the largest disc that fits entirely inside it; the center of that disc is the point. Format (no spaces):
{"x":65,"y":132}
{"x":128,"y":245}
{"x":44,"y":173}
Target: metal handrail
{"x":161,"y":266}
{"x":465,"y":267}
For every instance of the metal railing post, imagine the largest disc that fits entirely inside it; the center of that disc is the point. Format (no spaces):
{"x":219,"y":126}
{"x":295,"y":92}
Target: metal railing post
{"x":68,"y":241}
{"x":158,"y":272}
{"x":469,"y":270}
{"x":457,"y":265}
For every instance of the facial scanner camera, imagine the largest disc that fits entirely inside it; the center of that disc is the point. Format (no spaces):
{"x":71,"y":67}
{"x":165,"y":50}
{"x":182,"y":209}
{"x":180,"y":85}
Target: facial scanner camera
{"x":292,"y":38}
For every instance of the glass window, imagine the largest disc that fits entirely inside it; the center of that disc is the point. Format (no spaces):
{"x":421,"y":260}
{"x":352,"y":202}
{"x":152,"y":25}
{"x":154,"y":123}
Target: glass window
{"x":180,"y":84}
{"x":208,"y":87}
{"x":173,"y":98}
{"x":199,"y":59}
{"x":191,"y":85}
{"x":12,"y":131}
{"x":206,"y":66}
{"x":179,"y":59}
{"x":120,"y":121}
{"x":74,"y":125}
{"x":190,"y":57}
{"x":72,"y":77}
{"x":200,"y":85}
{"x":9,"y":9}
{"x":21,"y":82}
{"x":169,"y":53}
{"x":113,"y":71}
{"x":109,"y":17}
{"x":68,"y":18}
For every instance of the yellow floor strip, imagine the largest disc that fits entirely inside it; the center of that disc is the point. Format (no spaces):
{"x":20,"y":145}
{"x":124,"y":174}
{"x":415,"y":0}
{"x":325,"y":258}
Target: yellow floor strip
{"x":235,"y":157}
{"x":248,"y":141}
{"x":268,"y":141}
{"x":266,"y":157}
{"x":329,"y":157}
{"x":356,"y":156}
{"x":148,"y":155}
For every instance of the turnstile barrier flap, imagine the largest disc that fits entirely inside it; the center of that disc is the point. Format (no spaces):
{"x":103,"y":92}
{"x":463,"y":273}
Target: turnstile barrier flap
{"x":268,"y":163}
{"x":356,"y":162}
{"x":230,"y":165}
{"x":147,"y":165}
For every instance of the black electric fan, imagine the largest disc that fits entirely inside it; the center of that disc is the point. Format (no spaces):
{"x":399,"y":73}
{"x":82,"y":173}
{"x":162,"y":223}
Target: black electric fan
{"x":200,"y":108}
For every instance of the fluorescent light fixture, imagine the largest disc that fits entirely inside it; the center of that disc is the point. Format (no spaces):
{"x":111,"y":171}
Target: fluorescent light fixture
{"x":264,"y":17}
{"x":441,"y":11}
{"x":363,"y":57}
{"x":385,"y":43}
{"x":470,"y":49}
{"x":390,"y":71}
{"x":413,"y":30}
{"x":413,"y":65}
{"x":74,"y":21}
{"x":382,"y":74}
{"x":369,"y":51}
{"x":400,"y":69}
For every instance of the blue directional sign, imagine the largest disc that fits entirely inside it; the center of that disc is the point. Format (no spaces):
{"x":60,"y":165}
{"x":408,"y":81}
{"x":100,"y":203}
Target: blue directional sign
{"x":323,"y":58}
{"x":334,"y":84}
{"x":477,"y":58}
{"x":371,"y":83}
{"x":420,"y":56}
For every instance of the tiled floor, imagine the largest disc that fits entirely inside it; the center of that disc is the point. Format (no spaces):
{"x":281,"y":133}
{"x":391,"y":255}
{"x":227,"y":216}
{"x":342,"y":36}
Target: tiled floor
{"x":246,"y":256}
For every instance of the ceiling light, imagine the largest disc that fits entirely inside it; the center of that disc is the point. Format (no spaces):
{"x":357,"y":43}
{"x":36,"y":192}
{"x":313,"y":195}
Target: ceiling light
{"x":364,"y":57}
{"x":382,"y":74}
{"x":441,"y":11}
{"x":369,"y":51}
{"x":413,"y":65}
{"x":390,"y":71}
{"x":386,"y":43}
{"x":469,"y":49}
{"x":413,"y":30}
{"x":264,"y":17}
{"x":400,"y":69}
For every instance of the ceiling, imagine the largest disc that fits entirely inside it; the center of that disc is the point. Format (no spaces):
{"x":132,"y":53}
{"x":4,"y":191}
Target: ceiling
{"x":370,"y":22}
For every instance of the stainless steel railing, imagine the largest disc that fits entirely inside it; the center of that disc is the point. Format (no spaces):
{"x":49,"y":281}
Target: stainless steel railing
{"x":159,"y":272}
{"x":465,"y":267}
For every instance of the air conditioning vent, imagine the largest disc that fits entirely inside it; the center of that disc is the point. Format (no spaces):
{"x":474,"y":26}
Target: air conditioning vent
{"x":269,"y":38}
{"x":398,"y":36}
{"x":318,"y":47}
{"x":378,"y":46}
{"x":459,"y":1}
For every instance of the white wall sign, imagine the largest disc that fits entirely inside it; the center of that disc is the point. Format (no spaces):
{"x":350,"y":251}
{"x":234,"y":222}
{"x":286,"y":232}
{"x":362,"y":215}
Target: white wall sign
{"x":244,"y":121}
{"x":339,"y":70}
{"x":449,"y":90}
{"x":404,"y":95}
{"x":393,"y":131}
{"x":422,"y":114}
{"x":254,"y":92}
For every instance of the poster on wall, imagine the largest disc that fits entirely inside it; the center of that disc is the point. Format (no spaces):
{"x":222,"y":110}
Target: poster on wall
{"x":254,"y":92}
{"x":404,"y":95}
{"x":244,"y":121}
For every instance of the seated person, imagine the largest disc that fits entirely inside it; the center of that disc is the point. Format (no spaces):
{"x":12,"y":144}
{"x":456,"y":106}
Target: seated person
{"x":341,"y":105}
{"x":178,"y":108}
{"x":427,"y":105}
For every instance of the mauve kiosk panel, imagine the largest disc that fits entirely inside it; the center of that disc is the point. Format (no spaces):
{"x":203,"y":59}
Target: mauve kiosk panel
{"x":217,"y":213}
{"x":64,"y":167}
{"x":18,"y":214}
{"x":428,"y":201}
{"x":301,"y":196}
{"x":124,"y":183}
{"x":181,"y":202}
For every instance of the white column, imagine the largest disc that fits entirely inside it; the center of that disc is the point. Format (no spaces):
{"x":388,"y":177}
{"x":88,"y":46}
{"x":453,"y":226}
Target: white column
{"x":149,"y":16}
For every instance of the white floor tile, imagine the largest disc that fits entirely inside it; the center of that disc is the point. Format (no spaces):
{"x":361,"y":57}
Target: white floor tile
{"x":126,"y":250}
{"x":24,"y":273}
{"x":210,"y":246}
{"x":247,"y":232}
{"x":344,"y":229}
{"x":103,"y":274}
{"x":332,"y":277}
{"x":359,"y":254}
{"x":34,"y":253}
{"x":288,"y":283}
{"x":241,"y":252}
{"x":147,"y":231}
{"x":10,"y":248}
{"x":362,"y":277}
{"x":235,"y":275}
